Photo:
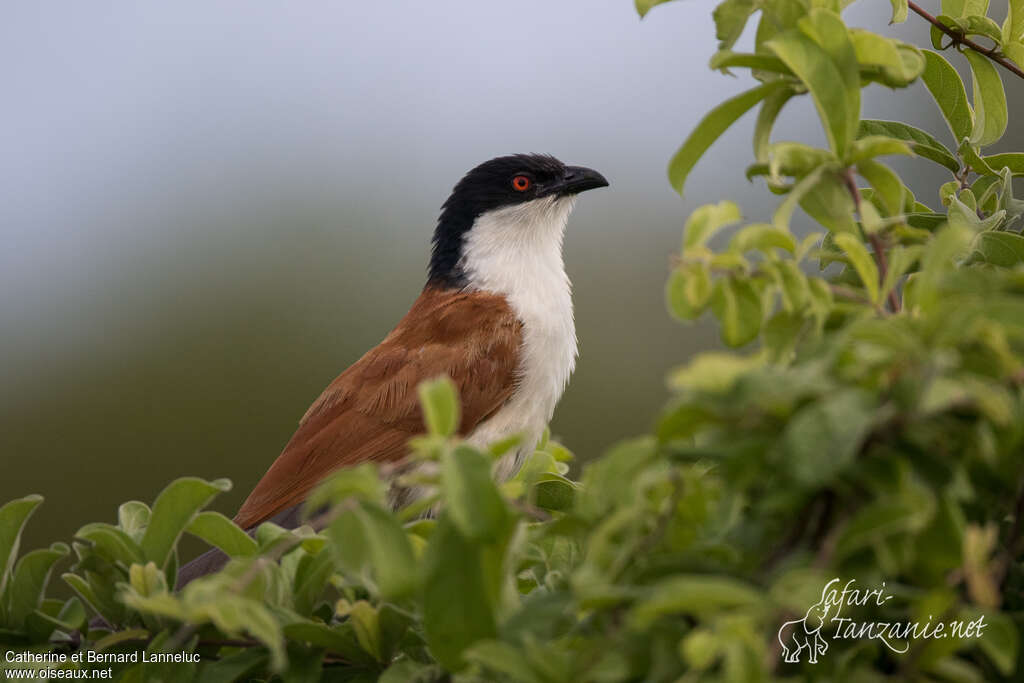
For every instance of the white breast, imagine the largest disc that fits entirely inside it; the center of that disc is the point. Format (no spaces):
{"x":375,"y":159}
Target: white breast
{"x":517,"y":252}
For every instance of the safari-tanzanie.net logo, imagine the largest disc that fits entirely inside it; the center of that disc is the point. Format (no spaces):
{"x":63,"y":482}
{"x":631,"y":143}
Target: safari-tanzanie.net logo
{"x":832,"y":618}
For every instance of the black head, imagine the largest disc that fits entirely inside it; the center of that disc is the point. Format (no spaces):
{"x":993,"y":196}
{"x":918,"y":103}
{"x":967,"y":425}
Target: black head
{"x":496,"y":184}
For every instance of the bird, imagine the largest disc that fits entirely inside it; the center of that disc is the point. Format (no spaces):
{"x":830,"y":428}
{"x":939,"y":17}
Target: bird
{"x":495,"y":315}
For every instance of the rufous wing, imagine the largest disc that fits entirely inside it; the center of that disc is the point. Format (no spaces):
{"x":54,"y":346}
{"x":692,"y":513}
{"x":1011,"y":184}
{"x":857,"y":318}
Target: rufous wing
{"x":372,"y":409}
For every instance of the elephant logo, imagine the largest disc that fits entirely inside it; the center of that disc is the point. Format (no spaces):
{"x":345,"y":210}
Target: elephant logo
{"x":805,"y":634}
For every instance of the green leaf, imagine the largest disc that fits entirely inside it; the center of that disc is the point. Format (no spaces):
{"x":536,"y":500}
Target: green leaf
{"x":28,"y":583}
{"x":828,"y":201}
{"x":886,"y":184}
{"x":503,"y":658}
{"x":474,"y":503}
{"x":862,"y":262}
{"x":645,"y":6}
{"x":458,"y":602}
{"x":990,"y":111}
{"x":361,"y":482}
{"x":792,"y":285}
{"x":823,"y":58}
{"x":1013,"y":27}
{"x":711,"y":127}
{"x":440,"y":402}
{"x":173,"y":510}
{"x":706,"y":220}
{"x":388,"y":553}
{"x":13,"y":516}
{"x":554,"y":492}
{"x":1004,"y":249}
{"x":1011,"y":160}
{"x":948,"y":90}
{"x":769,"y":111}
{"x":876,"y":146}
{"x":977,"y":25}
{"x":890,"y":62}
{"x":901,"y":259}
{"x":234,"y":667}
{"x":219,"y":531}
{"x":762,"y":237}
{"x":784,"y":212}
{"x":796,"y":159}
{"x":730,"y":19}
{"x":695,"y":594}
{"x":688,"y":290}
{"x":823,"y":437}
{"x":1015,"y":51}
{"x":133,"y":518}
{"x":727,"y":59}
{"x":921,"y":143}
{"x":737,"y":305}
{"x":899,"y":11}
{"x":1000,"y":640}
{"x":963,"y":216}
{"x":147,"y":580}
{"x":112,"y":543}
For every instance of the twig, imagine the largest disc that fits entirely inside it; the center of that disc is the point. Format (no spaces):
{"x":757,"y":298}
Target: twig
{"x":960,"y":39}
{"x":883,"y":268}
{"x":848,"y":293}
{"x":876,"y":241}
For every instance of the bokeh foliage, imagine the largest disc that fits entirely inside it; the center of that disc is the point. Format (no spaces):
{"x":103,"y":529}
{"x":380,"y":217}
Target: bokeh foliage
{"x":870,"y":426}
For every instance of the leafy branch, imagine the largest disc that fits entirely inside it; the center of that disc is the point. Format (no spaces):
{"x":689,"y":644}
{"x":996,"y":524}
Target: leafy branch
{"x":960,"y":38}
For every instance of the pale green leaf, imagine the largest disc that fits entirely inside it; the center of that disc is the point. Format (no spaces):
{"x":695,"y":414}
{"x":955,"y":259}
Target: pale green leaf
{"x":458,"y":604}
{"x":827,"y":64}
{"x":766,"y":117}
{"x":1004,"y":249}
{"x":1011,"y":160}
{"x":862,"y":262}
{"x":221,"y":532}
{"x":706,"y":220}
{"x":899,"y":11}
{"x":716,"y":122}
{"x":173,"y":509}
{"x":762,"y":237}
{"x":737,"y":305}
{"x":871,"y":146}
{"x":474,"y":503}
{"x":440,"y":402}
{"x":688,"y":290}
{"x":920,"y":142}
{"x":948,"y":90}
{"x":886,"y":184}
{"x":13,"y":516}
{"x":645,"y":6}
{"x":727,"y":59}
{"x":990,"y":110}
{"x":890,"y":62}
{"x":830,"y":203}
{"x":822,"y":438}
{"x":28,"y":582}
{"x":695,"y":594}
{"x":494,"y":655}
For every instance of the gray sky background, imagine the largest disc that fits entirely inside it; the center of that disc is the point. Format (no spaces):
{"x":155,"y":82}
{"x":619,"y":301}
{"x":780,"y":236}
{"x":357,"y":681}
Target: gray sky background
{"x":209,"y":209}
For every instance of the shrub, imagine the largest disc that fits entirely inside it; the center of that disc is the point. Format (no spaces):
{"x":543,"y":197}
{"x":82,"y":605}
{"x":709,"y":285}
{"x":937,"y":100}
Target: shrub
{"x":867,"y":437}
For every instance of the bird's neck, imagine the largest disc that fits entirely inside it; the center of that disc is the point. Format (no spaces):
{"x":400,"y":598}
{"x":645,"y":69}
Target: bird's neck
{"x":517,"y":251}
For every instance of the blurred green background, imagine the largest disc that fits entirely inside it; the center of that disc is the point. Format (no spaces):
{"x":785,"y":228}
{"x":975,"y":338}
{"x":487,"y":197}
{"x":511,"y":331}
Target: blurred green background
{"x":210,"y":209}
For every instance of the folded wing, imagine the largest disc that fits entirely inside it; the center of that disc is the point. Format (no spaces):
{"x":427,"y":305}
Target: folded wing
{"x":372,"y":408}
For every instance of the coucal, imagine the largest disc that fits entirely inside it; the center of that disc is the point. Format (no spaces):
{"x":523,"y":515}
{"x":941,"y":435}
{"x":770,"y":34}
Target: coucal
{"x":495,"y":315}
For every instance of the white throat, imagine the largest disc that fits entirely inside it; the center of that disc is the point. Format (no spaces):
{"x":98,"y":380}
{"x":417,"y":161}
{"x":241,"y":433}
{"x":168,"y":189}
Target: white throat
{"x":517,"y":252}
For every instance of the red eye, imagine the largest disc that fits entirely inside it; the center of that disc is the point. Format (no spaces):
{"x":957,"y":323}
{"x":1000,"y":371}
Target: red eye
{"x":521,"y":183}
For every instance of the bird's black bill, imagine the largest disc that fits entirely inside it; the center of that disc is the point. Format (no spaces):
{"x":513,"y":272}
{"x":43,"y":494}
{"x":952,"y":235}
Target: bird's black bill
{"x":579,"y":179}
